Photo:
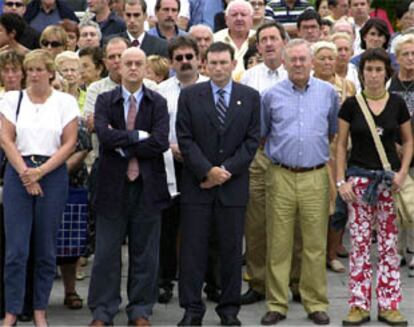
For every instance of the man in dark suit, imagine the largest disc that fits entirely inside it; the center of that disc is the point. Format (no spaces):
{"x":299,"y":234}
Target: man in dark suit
{"x":135,"y":14}
{"x":132,"y":125}
{"x":218,"y":134}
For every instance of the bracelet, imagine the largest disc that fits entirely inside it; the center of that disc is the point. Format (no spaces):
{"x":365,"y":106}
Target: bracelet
{"x":340,"y":183}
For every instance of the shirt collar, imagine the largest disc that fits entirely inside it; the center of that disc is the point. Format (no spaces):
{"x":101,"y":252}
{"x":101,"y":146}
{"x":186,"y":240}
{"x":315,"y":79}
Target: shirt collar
{"x":215,"y":88}
{"x":126,"y":94}
{"x":139,"y":38}
{"x":293,"y":86}
{"x":161,"y":35}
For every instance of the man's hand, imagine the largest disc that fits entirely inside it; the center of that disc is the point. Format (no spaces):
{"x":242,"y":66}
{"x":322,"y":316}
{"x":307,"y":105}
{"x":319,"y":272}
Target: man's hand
{"x":176,"y":152}
{"x":90,"y":123}
{"x":216,"y":176}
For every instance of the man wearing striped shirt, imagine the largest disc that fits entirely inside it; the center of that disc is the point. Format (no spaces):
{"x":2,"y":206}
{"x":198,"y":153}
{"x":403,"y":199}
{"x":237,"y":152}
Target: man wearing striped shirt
{"x":286,"y":12}
{"x":298,"y":119}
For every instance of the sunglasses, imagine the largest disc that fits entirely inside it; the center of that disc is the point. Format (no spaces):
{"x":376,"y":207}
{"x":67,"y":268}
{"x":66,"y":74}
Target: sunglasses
{"x":13,"y":4}
{"x":53,"y":44}
{"x":188,"y":56}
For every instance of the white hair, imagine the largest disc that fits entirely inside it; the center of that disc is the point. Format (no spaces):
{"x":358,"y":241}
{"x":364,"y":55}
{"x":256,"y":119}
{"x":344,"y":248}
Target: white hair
{"x":318,"y":46}
{"x":240,"y":2}
{"x":400,"y":41}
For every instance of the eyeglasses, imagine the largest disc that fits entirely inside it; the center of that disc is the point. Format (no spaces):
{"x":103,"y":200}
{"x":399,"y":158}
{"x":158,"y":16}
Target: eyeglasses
{"x":188,"y":56}
{"x":14,"y":4}
{"x":53,"y":44}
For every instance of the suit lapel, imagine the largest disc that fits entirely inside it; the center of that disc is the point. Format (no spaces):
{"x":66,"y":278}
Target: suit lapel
{"x":118,"y":106}
{"x":234,"y":105}
{"x":207,"y":102}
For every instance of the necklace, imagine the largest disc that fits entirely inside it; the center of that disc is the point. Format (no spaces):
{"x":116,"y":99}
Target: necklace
{"x":375,"y":97}
{"x":405,"y":88}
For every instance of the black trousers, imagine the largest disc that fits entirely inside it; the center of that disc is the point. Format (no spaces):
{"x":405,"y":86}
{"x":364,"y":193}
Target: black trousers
{"x":197,"y":221}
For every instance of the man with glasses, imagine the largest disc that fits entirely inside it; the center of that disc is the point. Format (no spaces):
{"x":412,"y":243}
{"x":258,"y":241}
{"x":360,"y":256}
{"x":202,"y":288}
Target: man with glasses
{"x":135,"y":14}
{"x":183,"y":55}
{"x":42,"y":13}
{"x":30,"y":37}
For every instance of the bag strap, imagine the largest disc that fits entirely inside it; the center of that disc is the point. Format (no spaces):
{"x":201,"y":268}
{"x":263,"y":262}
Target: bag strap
{"x":371,"y":124}
{"x":19,"y":102}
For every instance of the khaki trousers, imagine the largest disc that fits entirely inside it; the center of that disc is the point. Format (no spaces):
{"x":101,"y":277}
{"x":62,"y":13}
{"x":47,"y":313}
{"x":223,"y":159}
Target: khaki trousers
{"x":255,"y":225}
{"x":291,"y":196}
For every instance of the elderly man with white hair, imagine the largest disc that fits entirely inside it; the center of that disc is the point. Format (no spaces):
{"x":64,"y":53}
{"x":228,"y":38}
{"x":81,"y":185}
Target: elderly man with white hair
{"x":239,"y":19}
{"x":90,"y":34}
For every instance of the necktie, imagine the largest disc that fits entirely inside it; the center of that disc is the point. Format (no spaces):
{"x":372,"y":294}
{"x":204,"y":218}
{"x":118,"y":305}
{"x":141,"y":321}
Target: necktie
{"x":221,"y":107}
{"x":133,"y":167}
{"x":135,"y":43}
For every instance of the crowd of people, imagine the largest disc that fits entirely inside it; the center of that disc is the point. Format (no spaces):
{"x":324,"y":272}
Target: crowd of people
{"x":204,"y":134}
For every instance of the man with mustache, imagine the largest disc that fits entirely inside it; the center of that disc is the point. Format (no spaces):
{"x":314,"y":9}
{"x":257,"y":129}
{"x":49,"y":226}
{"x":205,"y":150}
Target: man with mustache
{"x":166,"y":27}
{"x":183,"y":53}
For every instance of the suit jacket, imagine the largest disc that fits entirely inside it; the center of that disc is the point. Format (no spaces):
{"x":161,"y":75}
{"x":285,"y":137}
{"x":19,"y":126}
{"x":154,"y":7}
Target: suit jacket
{"x":204,"y":144}
{"x":153,"y":118}
{"x":151,"y":45}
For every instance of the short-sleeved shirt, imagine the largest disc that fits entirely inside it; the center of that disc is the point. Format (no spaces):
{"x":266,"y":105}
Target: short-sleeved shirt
{"x":39,"y":127}
{"x":364,"y":153}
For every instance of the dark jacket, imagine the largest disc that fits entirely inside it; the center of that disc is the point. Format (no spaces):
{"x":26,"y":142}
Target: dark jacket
{"x":153,"y":118}
{"x":204,"y":144}
{"x":112,"y":25}
{"x":64,"y":10}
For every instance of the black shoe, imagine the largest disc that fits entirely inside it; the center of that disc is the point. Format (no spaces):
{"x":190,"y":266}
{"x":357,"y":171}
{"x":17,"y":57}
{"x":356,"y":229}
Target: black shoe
{"x":319,"y":318}
{"x":165,"y":295}
{"x":296,"y":297}
{"x":25,"y":317}
{"x":251,"y":296}
{"x":190,"y":321}
{"x":230,"y":320}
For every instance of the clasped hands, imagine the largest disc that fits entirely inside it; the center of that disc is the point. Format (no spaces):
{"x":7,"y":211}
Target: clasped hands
{"x":30,"y":178}
{"x":215,"y":176}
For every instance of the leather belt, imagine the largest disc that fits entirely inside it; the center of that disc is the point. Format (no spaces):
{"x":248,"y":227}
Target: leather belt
{"x":299,"y":169}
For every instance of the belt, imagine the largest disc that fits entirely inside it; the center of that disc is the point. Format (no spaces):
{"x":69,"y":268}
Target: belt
{"x":299,"y":169}
{"x":37,"y":160}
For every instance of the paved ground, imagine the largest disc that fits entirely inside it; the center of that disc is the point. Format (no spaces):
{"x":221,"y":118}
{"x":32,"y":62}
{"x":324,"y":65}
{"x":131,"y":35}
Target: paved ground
{"x":250,"y":315}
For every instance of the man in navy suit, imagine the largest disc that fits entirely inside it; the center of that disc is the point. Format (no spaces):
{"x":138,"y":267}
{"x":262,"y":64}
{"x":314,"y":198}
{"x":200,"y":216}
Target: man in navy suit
{"x":135,"y":14}
{"x":218,"y":134}
{"x":132,"y":125}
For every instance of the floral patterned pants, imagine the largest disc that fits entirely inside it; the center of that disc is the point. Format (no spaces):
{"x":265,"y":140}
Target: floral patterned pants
{"x":361,"y":218}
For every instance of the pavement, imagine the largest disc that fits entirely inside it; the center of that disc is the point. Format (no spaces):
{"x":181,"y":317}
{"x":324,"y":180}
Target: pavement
{"x":170,"y":314}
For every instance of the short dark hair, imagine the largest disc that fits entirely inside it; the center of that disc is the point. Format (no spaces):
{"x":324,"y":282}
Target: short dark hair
{"x":326,"y":22}
{"x":142,"y":3}
{"x":308,"y":14}
{"x":331,"y":3}
{"x":380,"y":26}
{"x":267,"y":25}
{"x":115,"y":39}
{"x":371,"y":55}
{"x":96,"y":54}
{"x":182,"y":42}
{"x":158,"y":5}
{"x":13,"y":22}
{"x":251,"y":52}
{"x":221,"y":47}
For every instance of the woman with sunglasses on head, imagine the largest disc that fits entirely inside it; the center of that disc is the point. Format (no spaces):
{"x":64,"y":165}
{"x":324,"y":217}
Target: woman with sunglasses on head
{"x":54,"y":40}
{"x":39,"y":132}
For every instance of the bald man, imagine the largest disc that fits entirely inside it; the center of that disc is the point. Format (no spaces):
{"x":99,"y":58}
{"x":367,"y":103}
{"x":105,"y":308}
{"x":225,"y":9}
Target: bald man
{"x":132,"y":125}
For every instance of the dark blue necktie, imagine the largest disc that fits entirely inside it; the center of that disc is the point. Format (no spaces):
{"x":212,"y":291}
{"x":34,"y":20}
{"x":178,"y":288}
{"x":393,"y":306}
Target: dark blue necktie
{"x":221,"y":107}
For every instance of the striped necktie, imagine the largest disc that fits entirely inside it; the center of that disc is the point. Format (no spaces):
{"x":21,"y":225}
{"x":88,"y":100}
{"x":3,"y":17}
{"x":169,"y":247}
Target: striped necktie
{"x":133,"y":167}
{"x":221,"y":107}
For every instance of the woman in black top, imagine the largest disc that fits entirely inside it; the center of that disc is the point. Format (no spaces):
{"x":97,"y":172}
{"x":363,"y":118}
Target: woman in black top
{"x":368,"y":189}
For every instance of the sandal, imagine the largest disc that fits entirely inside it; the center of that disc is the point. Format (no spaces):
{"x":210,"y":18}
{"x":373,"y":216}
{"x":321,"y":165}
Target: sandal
{"x":336,"y":266}
{"x":73,"y":301}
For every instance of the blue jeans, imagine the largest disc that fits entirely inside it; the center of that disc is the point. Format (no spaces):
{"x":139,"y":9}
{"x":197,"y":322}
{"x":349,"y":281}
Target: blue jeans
{"x":22,"y":214}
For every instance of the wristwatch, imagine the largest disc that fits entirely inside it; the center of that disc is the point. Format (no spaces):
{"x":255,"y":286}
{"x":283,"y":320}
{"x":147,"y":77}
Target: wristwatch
{"x":340,"y":183}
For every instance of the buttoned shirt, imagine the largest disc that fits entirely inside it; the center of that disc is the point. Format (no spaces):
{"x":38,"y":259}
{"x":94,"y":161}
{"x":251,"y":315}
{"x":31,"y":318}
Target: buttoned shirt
{"x":127,"y":101}
{"x":139,"y":38}
{"x":170,"y":90}
{"x":261,"y":77}
{"x":297,"y":123}
{"x":155,"y":31}
{"x":224,"y":36}
{"x":278,"y":10}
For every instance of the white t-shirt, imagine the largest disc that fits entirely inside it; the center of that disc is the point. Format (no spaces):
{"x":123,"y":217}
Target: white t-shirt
{"x":39,"y":126}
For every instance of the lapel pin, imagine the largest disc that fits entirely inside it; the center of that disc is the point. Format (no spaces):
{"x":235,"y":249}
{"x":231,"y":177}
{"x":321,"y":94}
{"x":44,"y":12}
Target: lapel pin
{"x":239,"y":103}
